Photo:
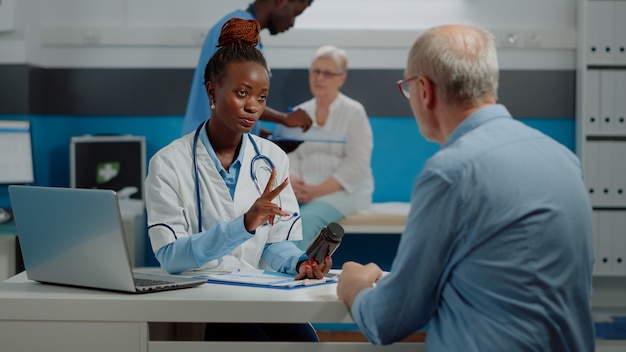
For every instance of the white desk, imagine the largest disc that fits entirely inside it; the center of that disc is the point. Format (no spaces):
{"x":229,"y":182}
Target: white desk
{"x":38,"y":317}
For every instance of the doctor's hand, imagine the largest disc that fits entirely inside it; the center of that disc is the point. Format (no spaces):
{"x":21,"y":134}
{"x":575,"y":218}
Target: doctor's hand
{"x":263,"y":210}
{"x":312,"y":270}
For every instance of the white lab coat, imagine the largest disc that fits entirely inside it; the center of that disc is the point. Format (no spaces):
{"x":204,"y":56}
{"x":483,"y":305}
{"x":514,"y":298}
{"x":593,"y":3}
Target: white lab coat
{"x":171,"y":199}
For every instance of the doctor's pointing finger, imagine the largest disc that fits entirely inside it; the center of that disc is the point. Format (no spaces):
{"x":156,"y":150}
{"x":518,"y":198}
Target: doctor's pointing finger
{"x":263,"y":210}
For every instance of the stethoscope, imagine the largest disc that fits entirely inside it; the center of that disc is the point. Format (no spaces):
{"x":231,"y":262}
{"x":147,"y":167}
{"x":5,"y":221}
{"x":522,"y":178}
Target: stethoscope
{"x":266,"y":164}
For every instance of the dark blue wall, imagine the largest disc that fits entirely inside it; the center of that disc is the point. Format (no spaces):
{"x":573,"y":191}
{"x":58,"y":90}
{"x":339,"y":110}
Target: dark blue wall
{"x":51,"y":138}
{"x":394,"y":168}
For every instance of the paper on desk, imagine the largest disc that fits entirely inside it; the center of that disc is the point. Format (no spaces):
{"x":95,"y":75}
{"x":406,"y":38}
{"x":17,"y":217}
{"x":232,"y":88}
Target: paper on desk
{"x":262,"y":278}
{"x":313,"y":134}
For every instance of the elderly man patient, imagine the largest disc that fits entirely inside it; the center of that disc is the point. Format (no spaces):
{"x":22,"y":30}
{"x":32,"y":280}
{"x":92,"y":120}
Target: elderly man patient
{"x":497,"y":253}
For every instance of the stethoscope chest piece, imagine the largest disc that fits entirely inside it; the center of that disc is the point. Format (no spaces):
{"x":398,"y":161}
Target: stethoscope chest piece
{"x":258,"y":162}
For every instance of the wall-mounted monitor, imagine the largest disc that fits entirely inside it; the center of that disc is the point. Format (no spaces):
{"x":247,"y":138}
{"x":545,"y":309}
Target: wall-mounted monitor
{"x":108,"y":162}
{"x":16,"y":152}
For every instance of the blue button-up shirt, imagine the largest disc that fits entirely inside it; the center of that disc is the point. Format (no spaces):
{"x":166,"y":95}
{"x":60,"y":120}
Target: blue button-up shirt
{"x":497,"y":253}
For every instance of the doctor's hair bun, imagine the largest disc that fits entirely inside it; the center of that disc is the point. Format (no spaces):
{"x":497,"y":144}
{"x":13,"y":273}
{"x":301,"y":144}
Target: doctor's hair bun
{"x":237,"y":43}
{"x":237,"y":30}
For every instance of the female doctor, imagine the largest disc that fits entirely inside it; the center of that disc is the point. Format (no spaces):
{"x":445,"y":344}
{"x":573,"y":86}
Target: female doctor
{"x":219,"y":198}
{"x":212,"y":196}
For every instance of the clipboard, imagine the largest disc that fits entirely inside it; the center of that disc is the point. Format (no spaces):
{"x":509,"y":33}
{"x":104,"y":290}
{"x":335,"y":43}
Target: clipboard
{"x":266,"y":279}
{"x":313,"y":134}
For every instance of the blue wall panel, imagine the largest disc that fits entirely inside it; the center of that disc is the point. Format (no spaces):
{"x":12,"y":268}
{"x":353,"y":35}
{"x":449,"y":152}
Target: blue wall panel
{"x":52,"y":134}
{"x":399,"y":153}
{"x":399,"y":149}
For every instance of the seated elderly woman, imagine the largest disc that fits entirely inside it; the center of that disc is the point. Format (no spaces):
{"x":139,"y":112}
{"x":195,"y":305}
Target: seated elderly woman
{"x":332,"y":180}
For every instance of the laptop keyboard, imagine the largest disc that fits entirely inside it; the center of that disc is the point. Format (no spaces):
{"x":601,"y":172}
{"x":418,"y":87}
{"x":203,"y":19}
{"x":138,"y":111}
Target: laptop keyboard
{"x":150,"y":282}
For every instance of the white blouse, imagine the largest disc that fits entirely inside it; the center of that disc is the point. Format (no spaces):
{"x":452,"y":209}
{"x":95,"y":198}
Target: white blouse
{"x":348,"y":163}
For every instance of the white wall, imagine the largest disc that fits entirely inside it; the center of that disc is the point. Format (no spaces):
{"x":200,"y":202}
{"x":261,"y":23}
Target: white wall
{"x":377,"y":34}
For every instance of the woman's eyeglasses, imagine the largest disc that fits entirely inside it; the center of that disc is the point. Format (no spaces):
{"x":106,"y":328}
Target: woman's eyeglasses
{"x":403,"y":85}
{"x":325,"y":74}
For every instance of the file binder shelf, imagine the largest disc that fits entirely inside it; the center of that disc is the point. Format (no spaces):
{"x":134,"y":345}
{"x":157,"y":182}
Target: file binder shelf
{"x":601,"y":126}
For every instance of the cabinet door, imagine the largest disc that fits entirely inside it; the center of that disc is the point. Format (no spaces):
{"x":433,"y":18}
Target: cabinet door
{"x":619,"y":242}
{"x":619,"y":13}
{"x":7,"y":255}
{"x":605,"y":173}
{"x":592,"y":101}
{"x":591,"y":167}
{"x":73,"y":336}
{"x":619,"y":174}
{"x":604,"y":252}
{"x":620,"y":101}
{"x":597,"y":265}
{"x":608,"y":98}
{"x":600,"y":32}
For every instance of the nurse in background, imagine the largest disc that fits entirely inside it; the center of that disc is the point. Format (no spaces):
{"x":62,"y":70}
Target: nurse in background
{"x":332,"y":180}
{"x":277,"y":16}
{"x":205,"y":210}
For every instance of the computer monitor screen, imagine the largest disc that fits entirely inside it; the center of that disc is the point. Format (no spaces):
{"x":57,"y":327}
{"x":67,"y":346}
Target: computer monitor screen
{"x":108,"y":162}
{"x":16,"y":153}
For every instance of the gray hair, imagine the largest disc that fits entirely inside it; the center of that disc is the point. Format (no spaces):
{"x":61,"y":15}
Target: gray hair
{"x":337,"y":55}
{"x":463,"y":65}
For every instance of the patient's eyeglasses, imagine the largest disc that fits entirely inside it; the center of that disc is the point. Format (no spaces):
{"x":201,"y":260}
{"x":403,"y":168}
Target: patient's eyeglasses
{"x":403,"y":85}
{"x":325,"y":74}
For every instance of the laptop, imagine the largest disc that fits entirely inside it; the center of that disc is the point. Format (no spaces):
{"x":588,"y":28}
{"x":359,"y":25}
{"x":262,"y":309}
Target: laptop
{"x":75,"y":237}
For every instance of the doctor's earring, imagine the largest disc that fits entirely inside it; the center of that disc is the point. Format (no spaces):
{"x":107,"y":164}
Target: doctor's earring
{"x":212,"y":106}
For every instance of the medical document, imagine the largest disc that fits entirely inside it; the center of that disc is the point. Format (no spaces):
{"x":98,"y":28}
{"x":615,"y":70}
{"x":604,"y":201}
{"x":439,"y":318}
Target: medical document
{"x":313,"y":134}
{"x":264,"y":278}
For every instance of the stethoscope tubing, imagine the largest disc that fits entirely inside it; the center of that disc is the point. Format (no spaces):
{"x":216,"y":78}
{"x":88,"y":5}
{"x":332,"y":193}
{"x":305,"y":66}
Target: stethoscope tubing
{"x":258,"y":157}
